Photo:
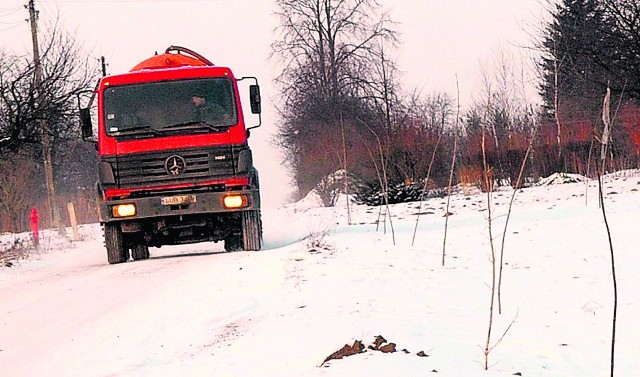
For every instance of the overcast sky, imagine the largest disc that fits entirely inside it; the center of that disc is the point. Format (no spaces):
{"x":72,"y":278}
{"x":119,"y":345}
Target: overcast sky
{"x":440,"y":40}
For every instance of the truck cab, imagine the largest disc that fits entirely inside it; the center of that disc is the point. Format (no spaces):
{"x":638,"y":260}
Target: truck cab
{"x":175,"y":164}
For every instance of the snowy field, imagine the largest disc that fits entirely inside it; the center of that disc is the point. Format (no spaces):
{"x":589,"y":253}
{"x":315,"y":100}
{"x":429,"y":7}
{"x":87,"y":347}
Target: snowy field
{"x":321,"y":284}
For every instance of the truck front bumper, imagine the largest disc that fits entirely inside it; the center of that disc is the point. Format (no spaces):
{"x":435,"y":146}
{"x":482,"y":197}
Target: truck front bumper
{"x":177,"y":205}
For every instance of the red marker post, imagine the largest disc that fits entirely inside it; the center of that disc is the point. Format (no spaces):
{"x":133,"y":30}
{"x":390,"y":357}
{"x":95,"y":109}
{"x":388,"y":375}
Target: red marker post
{"x":35,"y":227}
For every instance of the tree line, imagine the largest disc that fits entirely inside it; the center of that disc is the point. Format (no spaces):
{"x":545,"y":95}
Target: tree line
{"x":344,"y":110}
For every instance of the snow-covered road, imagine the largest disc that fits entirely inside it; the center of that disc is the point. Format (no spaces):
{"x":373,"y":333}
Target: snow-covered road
{"x":130,"y":317}
{"x":195,"y":310}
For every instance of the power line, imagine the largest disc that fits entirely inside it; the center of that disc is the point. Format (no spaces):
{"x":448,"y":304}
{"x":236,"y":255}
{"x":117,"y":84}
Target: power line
{"x":10,"y":11}
{"x":6,"y":13}
{"x":127,"y":1}
{"x":12,"y":27}
{"x":11,"y":23}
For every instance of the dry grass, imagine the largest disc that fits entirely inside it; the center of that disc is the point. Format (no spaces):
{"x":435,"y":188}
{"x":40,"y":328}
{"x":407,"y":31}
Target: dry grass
{"x":13,"y":250}
{"x":468,"y":177}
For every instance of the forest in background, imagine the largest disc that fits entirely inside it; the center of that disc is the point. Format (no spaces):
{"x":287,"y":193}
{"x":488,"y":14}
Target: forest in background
{"x":343,"y":108}
{"x":342,"y":112}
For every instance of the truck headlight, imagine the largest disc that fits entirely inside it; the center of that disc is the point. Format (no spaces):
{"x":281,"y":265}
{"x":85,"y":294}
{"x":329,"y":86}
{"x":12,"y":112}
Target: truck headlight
{"x":235,"y":201}
{"x":124,"y":210}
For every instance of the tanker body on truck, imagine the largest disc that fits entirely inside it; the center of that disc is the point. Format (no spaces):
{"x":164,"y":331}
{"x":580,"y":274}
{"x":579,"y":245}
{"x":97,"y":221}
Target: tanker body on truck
{"x":174,"y":164}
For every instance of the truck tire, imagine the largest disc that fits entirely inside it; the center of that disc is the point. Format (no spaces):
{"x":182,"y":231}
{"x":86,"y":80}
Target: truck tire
{"x":251,"y":230}
{"x":139,"y":252}
{"x":113,"y":241}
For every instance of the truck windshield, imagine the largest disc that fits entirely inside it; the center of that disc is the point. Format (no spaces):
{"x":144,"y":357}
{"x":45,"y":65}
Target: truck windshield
{"x":186,"y":106}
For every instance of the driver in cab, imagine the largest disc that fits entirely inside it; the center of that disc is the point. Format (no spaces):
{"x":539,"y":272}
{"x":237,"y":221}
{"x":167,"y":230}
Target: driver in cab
{"x":206,"y":111}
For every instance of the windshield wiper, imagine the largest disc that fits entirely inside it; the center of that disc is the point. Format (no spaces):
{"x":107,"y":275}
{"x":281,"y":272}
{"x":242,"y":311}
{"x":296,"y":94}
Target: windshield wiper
{"x":136,"y":130}
{"x":195,"y":125}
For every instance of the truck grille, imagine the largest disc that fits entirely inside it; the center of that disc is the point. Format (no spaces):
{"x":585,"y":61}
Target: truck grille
{"x":149,"y":169}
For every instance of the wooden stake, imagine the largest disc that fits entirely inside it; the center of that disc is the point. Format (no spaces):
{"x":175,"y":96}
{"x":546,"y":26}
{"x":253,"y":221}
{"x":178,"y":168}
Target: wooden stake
{"x":74,"y":222}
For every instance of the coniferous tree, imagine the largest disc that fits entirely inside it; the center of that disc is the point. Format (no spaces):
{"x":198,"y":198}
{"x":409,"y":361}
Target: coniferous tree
{"x":572,"y":81}
{"x":591,"y":44}
{"x":621,"y":45}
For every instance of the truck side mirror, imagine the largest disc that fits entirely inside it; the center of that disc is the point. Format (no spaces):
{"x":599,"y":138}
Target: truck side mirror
{"x":85,"y":123}
{"x":254,"y":95}
{"x":254,"y":100}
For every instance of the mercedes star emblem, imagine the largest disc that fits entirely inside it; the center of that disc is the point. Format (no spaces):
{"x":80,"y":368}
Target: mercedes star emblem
{"x":175,"y":165}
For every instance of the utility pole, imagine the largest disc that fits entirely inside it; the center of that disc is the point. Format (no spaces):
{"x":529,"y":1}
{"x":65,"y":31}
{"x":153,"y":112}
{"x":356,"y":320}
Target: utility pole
{"x":103,"y":64}
{"x":54,"y":217}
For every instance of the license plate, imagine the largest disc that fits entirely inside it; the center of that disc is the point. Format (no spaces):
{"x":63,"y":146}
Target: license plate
{"x":177,"y":200}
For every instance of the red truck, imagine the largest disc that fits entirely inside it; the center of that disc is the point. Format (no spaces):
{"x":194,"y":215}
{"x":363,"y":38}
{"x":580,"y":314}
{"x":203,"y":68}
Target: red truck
{"x":174,"y":163}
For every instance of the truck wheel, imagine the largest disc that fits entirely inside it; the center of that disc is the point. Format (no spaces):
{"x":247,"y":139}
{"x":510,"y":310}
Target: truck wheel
{"x":251,"y":230}
{"x":139,"y":252}
{"x":116,"y":252}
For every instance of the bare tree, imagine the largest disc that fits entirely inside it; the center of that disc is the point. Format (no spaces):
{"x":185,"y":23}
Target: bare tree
{"x":66,"y":72}
{"x":426,"y":121}
{"x":454,"y":154}
{"x":606,"y":119}
{"x":326,"y":49}
{"x":436,"y":114}
{"x":487,"y":183}
{"x":505,"y":108}
{"x":516,"y":187}
{"x":381,"y":173}
{"x":322,"y":40}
